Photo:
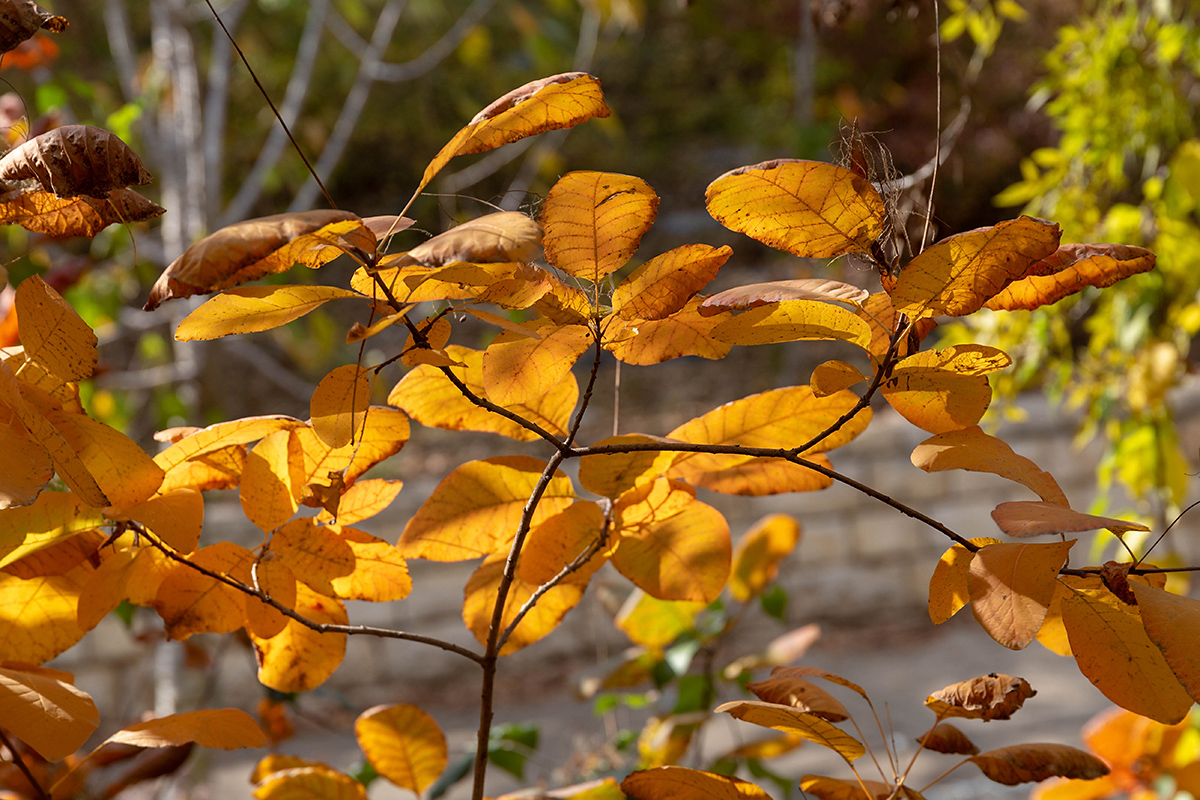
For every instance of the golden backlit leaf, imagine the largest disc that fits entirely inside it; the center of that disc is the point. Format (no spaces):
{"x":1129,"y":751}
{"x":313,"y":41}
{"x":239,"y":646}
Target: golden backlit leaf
{"x":190,"y":602}
{"x":384,"y":434}
{"x":790,"y":720}
{"x":60,"y":557}
{"x":1053,"y":633}
{"x":75,"y":159}
{"x":272,"y":480}
{"x":46,"y":712}
{"x":958,"y":275}
{"x":175,"y":517}
{"x":364,"y":500}
{"x":655,"y":623}
{"x":760,"y":477}
{"x":1011,"y":587}
{"x":26,"y":468}
{"x":505,"y":236}
{"x":988,"y":697}
{"x":1025,"y":763}
{"x":945,"y":738}
{"x":793,"y":321}
{"x":831,"y":377}
{"x":380,"y":573}
{"x":1172,"y":622}
{"x":220,"y":728}
{"x":553,"y":103}
{"x":561,"y":540}
{"x":435,"y":333}
{"x":684,"y":557}
{"x":43,"y":212}
{"x":972,"y":449}
{"x":222,"y":435}
{"x":683,"y":333}
{"x":753,"y":295}
{"x":800,"y":694}
{"x":339,"y":404}
{"x":1070,"y":269}
{"x":54,"y":517}
{"x":249,"y":309}
{"x":1114,"y":652}
{"x":314,"y":553}
{"x":309,"y":783}
{"x":38,"y":616}
{"x":611,"y":474}
{"x":415,"y":283}
{"x":1024,"y":518}
{"x":651,"y":503}
{"x":944,"y":390}
{"x":477,"y":507}
{"x":429,"y":397}
{"x":218,"y":469}
{"x":251,"y":249}
{"x":480,"y":601}
{"x":299,"y":659}
{"x":274,"y":577}
{"x":520,"y":369}
{"x":121,"y":468}
{"x":807,"y":208}
{"x":403,"y":744}
{"x":665,"y":283}
{"x":680,"y":783}
{"x":54,"y":335}
{"x":759,"y":553}
{"x":948,"y":589}
{"x":594,"y":222}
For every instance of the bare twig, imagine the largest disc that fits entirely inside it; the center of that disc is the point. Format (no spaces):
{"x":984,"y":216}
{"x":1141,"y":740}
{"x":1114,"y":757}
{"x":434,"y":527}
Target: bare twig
{"x":21,"y":765}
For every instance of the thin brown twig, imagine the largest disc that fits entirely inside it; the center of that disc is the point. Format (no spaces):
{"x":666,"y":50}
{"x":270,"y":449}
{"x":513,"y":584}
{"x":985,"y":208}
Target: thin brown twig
{"x":21,"y":765}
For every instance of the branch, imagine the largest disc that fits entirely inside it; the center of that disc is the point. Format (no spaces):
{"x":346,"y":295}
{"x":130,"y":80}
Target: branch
{"x":21,"y":765}
{"x":120,"y":46}
{"x":439,"y":50}
{"x":216,"y":107}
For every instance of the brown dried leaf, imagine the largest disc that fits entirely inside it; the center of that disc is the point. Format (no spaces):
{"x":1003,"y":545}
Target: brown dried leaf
{"x":506,"y":236}
{"x":1011,"y":588}
{"x":988,"y":697}
{"x":945,"y":738}
{"x":801,"y":694}
{"x":758,"y":294}
{"x":74,"y":160}
{"x":46,"y":213}
{"x":21,"y":19}
{"x":1025,"y":763}
{"x":1021,"y":519}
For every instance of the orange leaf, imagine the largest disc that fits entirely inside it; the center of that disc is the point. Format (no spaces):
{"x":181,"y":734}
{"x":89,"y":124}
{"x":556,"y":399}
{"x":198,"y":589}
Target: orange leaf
{"x":75,"y":159}
{"x":309,"y":782}
{"x":832,"y":377}
{"x":364,"y":500}
{"x":686,"y":556}
{"x":46,"y":213}
{"x":948,"y":589}
{"x":1021,"y":519}
{"x":176,"y":517}
{"x":121,"y":468}
{"x":274,"y":577}
{"x":506,"y":236}
{"x":1113,"y":651}
{"x":594,"y":222}
{"x":339,"y":404}
{"x":1025,"y":763}
{"x":384,"y":433}
{"x":800,"y":694}
{"x":560,"y":540}
{"x":272,"y":480}
{"x":249,"y":309}
{"x":793,"y":321}
{"x":650,"y":503}
{"x":254,"y":248}
{"x":436,"y":332}
{"x":680,"y":783}
{"x":972,"y":449}
{"x":801,"y":723}
{"x":1011,"y":588}
{"x":403,"y":744}
{"x":612,"y":474}
{"x":757,"y":294}
{"x":990,"y":697}
{"x":46,"y":712}
{"x":54,"y":335}
{"x":547,"y":104}
{"x":759,"y":553}
{"x":956,"y":276}
{"x":1070,"y":269}
{"x":38,"y":617}
{"x":665,"y":283}
{"x":26,"y":468}
{"x":191,"y":602}
{"x":945,"y":738}
{"x":1171,"y":623}
{"x":298,"y":658}
{"x":808,"y":208}
{"x":315,"y":554}
{"x":655,"y":623}
{"x":223,"y":435}
{"x":54,"y":517}
{"x":219,"y":469}
{"x":380,"y":573}
{"x":520,"y":369}
{"x":222,"y":728}
{"x":427,"y":395}
{"x":477,"y":507}
{"x":1053,"y":634}
{"x":683,"y":333}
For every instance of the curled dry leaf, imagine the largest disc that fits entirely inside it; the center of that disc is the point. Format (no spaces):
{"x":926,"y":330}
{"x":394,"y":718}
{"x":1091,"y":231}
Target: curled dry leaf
{"x":20,"y":19}
{"x":800,"y":694}
{"x":1021,"y":519}
{"x":506,"y":236}
{"x":60,"y":217}
{"x":988,"y":697}
{"x":1070,"y":269}
{"x":1025,"y":763}
{"x":74,"y":160}
{"x":945,"y":738}
{"x":758,"y":294}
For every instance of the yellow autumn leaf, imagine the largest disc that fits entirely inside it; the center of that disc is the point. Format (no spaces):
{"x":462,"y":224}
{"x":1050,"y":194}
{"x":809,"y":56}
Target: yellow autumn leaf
{"x":563,"y":304}
{"x":686,"y":332}
{"x":807,"y":208}
{"x":380,"y":573}
{"x":218,"y":469}
{"x":948,"y":589}
{"x":384,"y":433}
{"x":612,"y":474}
{"x":45,"y":711}
{"x":831,"y":377}
{"x":680,"y":783}
{"x":594,"y":222}
{"x":655,"y":623}
{"x":1011,"y":586}
{"x":801,"y":723}
{"x":521,"y":369}
{"x":665,"y":283}
{"x":553,"y":103}
{"x":972,"y":449}
{"x":53,"y":334}
{"x":309,"y":782}
{"x":190,"y":602}
{"x":651,"y":503}
{"x":403,"y":744}
{"x":222,"y":435}
{"x":759,"y":553}
{"x":1113,"y":651}
{"x":44,"y":212}
{"x":1171,"y":622}
{"x":430,"y":398}
{"x":944,"y":390}
{"x":542,"y":619}
{"x":1053,"y":633}
{"x":560,"y":540}
{"x":956,"y":276}
{"x":794,"y":321}
{"x":477,"y":507}
{"x":175,"y":517}
{"x":273,"y":576}
{"x":363,"y":500}
{"x":104,"y":588}
{"x":339,"y":404}
{"x":299,"y":659}
{"x":1070,"y":269}
{"x":220,"y":728}
{"x":26,"y":468}
{"x":314,"y":553}
{"x":272,"y":480}
{"x":250,"y":309}
{"x":685,"y":556}
{"x":38,"y":618}
{"x":54,"y":517}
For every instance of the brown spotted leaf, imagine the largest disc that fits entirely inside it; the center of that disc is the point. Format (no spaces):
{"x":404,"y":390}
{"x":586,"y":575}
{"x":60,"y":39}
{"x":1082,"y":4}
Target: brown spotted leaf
{"x":1026,"y":763}
{"x":757,"y":294}
{"x":1011,"y":588}
{"x":972,"y":449}
{"x":21,"y":19}
{"x":594,"y":222}
{"x":988,"y":697}
{"x":1070,"y":269}
{"x":74,"y":160}
{"x":46,"y":213}
{"x":1024,"y":518}
{"x":506,"y":236}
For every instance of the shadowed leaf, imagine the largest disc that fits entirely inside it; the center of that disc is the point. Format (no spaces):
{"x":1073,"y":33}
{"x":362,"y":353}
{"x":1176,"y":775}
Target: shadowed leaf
{"x":944,"y":390}
{"x":793,"y":321}
{"x":190,"y":602}
{"x":800,"y":694}
{"x":972,"y":449}
{"x":612,"y":474}
{"x":684,"y":556}
{"x":948,"y":588}
{"x":1070,"y":269}
{"x":45,"y":711}
{"x":560,"y":540}
{"x":222,"y":728}
{"x":801,"y":723}
{"x":945,"y":738}
{"x":298,"y":658}
{"x":339,"y":404}
{"x":1021,"y":519}
{"x":506,"y":236}
{"x":1011,"y":587}
{"x":1026,"y":763}
{"x":832,"y":377}
{"x":665,"y":283}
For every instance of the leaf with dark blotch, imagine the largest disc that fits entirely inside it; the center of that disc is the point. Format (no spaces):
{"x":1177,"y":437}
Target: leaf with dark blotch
{"x":46,"y":213}
{"x":758,"y":294}
{"x":74,"y":160}
{"x":21,"y":19}
{"x":1024,"y":518}
{"x":595,"y":221}
{"x":254,"y":248}
{"x":1025,"y":763}
{"x":945,"y":738}
{"x":988,"y":697}
{"x":494,"y":238}
{"x":1070,"y":269}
